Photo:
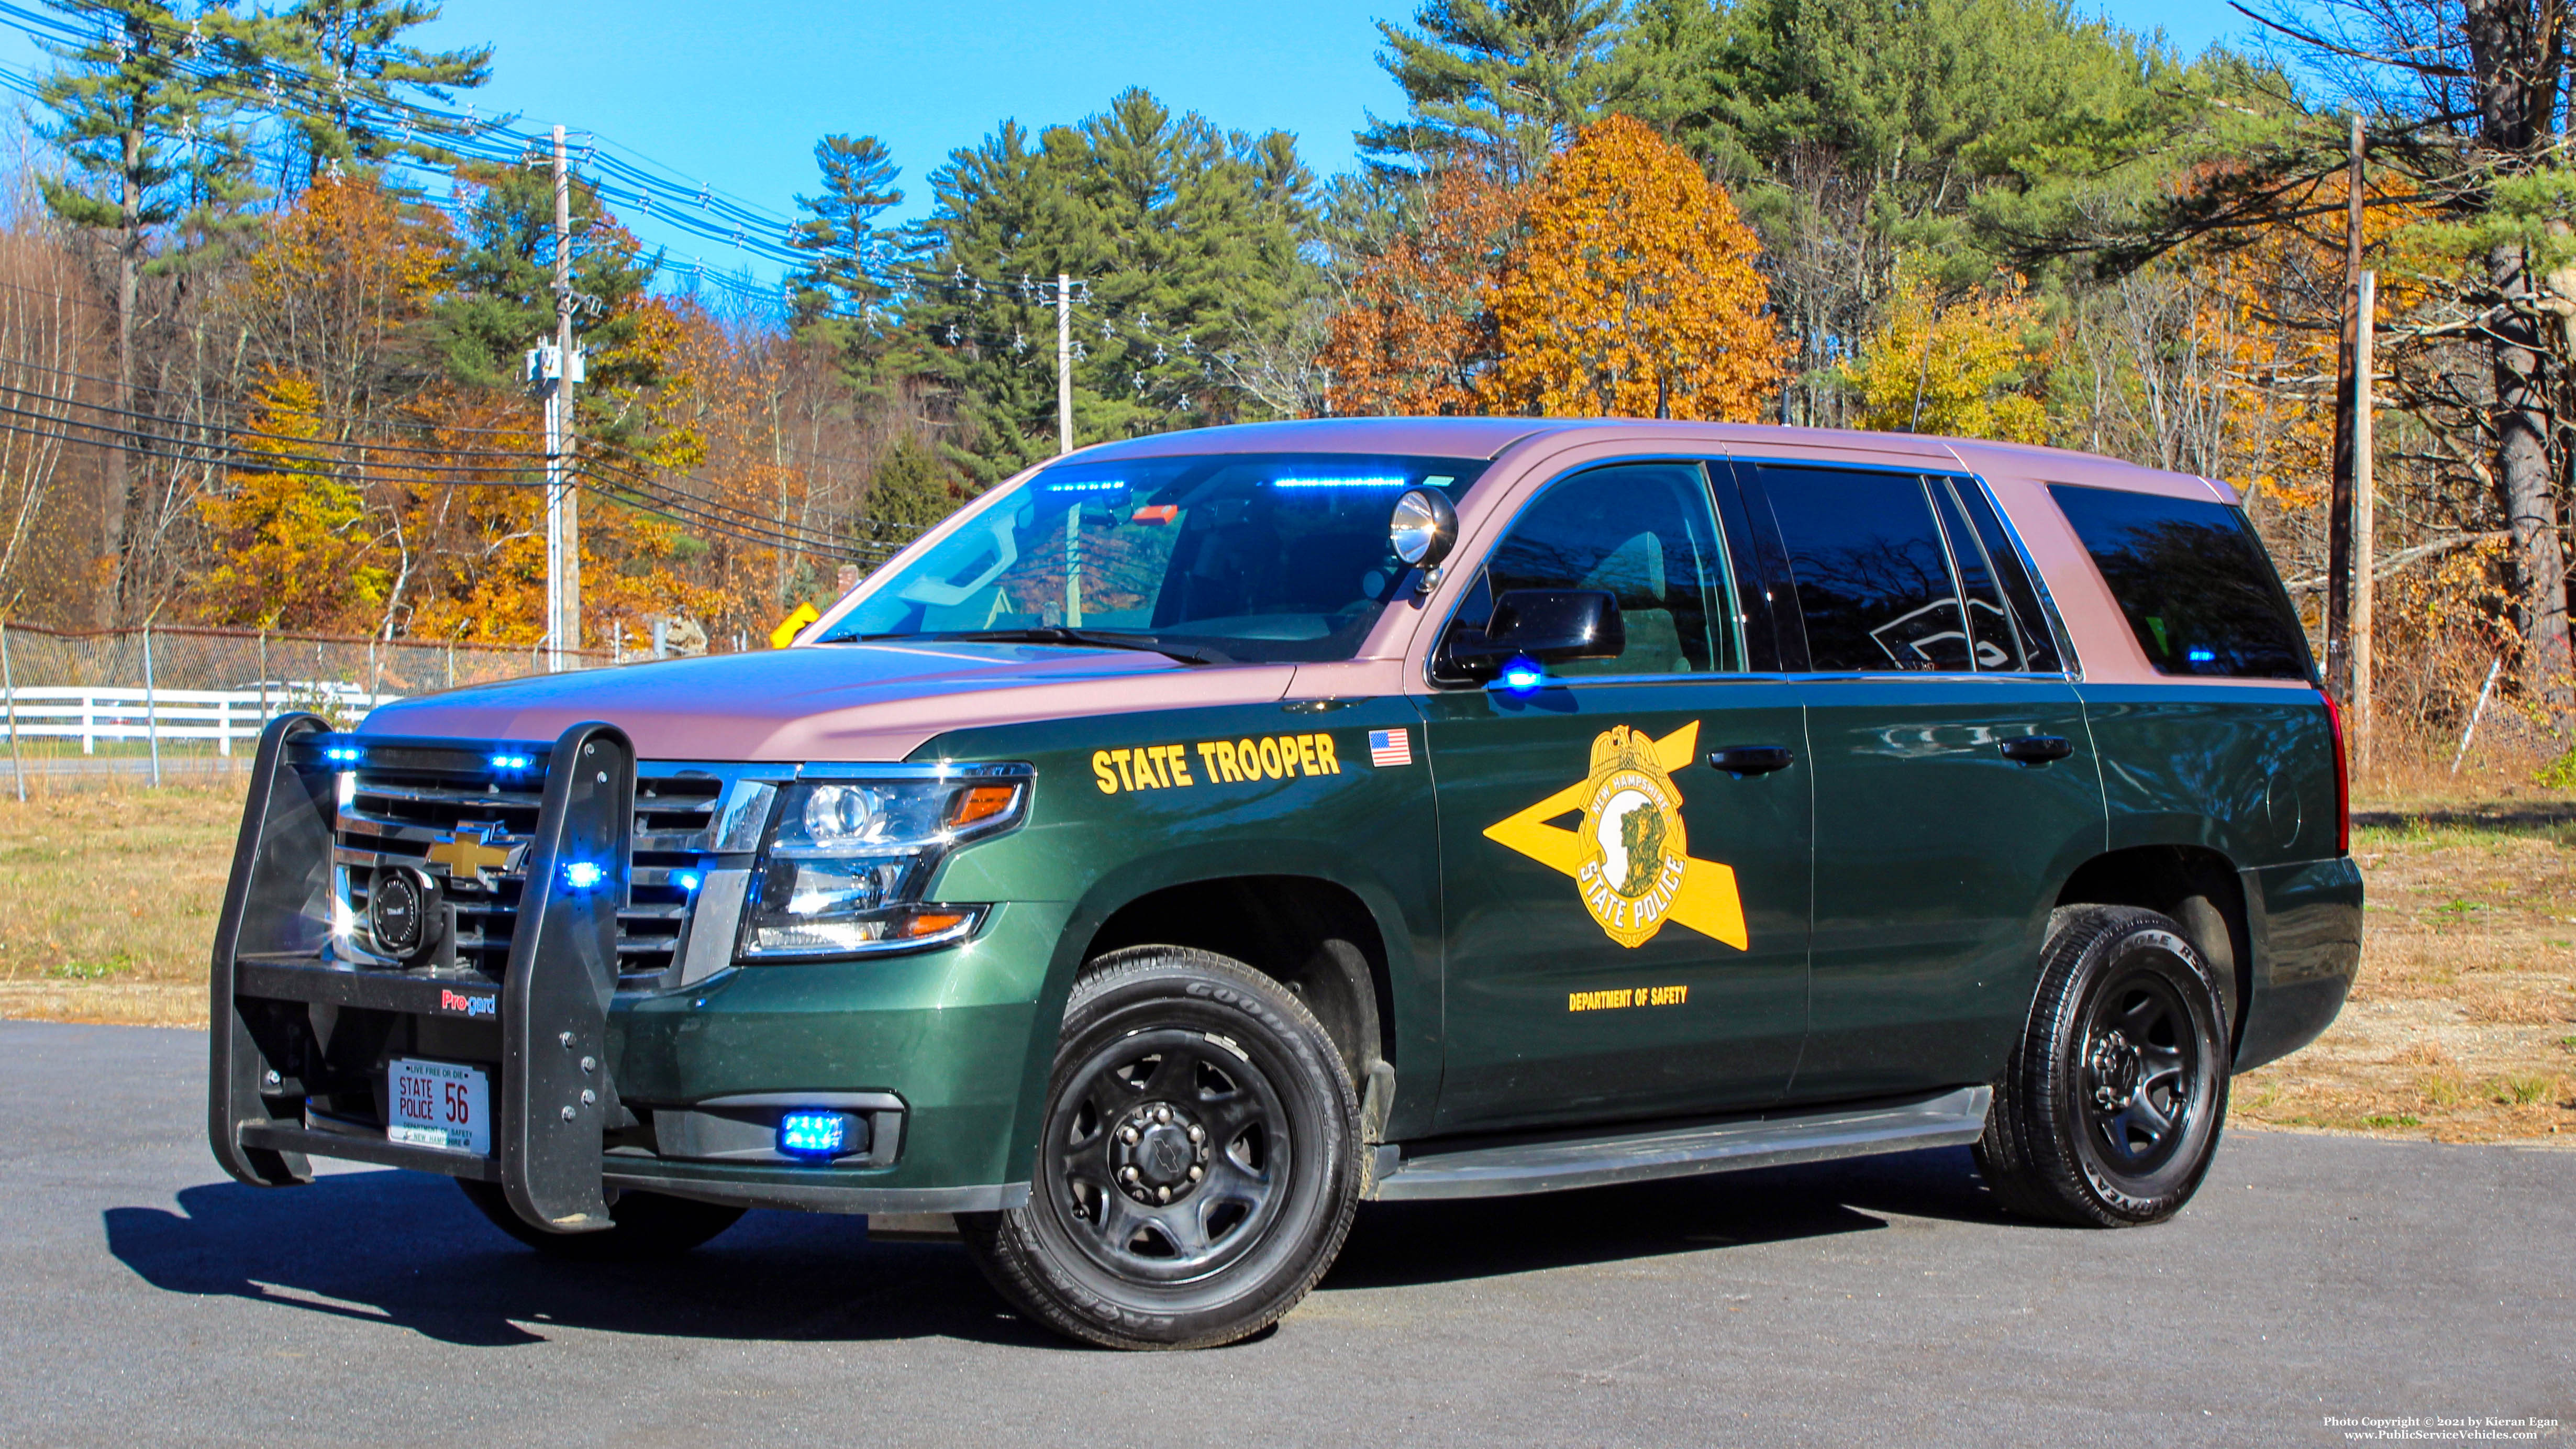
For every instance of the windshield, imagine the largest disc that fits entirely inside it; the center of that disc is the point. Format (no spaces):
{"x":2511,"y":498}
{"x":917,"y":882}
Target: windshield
{"x":1238,"y":556}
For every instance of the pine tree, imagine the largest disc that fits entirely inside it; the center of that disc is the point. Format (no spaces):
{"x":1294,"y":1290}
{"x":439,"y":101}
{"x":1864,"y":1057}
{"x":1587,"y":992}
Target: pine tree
{"x":501,"y":295}
{"x":912,"y":490}
{"x":147,"y":137}
{"x":1184,"y":240}
{"x":356,"y":76}
{"x":840,"y":231}
{"x":1495,"y":83}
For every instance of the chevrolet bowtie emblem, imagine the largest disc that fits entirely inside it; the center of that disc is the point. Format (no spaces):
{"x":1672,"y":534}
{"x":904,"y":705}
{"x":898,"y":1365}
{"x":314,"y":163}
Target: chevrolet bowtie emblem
{"x":470,"y":852}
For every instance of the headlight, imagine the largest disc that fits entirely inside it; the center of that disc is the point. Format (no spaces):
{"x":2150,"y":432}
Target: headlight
{"x":845,"y":861}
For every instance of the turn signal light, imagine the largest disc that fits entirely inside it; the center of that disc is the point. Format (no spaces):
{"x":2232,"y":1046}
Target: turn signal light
{"x":928,"y":923}
{"x":981,"y":802}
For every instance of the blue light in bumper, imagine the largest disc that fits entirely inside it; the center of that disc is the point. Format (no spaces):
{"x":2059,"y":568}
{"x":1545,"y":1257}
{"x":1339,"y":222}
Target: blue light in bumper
{"x":342,"y":754}
{"x":511,"y":762}
{"x":581,"y":875}
{"x":808,"y":1132}
{"x":687,"y":880}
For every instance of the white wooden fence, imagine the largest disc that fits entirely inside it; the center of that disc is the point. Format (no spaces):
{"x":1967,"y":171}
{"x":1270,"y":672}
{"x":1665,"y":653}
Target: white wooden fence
{"x":221,"y":715}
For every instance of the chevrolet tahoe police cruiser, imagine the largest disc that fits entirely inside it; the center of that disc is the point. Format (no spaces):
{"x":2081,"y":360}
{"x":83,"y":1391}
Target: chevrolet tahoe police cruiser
{"x":1200,"y":834}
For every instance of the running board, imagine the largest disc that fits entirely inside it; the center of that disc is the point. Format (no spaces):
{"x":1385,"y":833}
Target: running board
{"x":1946,"y":1120}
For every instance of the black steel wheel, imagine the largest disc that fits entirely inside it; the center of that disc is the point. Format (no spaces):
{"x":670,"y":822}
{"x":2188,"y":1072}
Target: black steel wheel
{"x":2110,"y":1110}
{"x":1198,"y":1166}
{"x":649,"y":1225}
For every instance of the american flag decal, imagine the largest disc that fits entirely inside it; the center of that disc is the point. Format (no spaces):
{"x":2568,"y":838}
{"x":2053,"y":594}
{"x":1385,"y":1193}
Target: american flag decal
{"x":1390,"y":747}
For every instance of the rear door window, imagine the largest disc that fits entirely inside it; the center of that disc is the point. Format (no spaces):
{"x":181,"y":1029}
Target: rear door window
{"x":1872,"y":575}
{"x":2193,"y":582}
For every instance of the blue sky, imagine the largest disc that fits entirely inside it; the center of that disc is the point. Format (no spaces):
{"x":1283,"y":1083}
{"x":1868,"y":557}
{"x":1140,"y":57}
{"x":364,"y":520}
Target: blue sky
{"x":735,"y":94}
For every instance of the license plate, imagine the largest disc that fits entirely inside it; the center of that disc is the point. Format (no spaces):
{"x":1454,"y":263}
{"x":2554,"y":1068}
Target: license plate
{"x":439,"y":1104}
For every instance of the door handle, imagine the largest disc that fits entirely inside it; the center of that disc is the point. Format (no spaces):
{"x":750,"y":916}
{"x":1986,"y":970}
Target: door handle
{"x":1743,"y":760}
{"x":2036,"y":749}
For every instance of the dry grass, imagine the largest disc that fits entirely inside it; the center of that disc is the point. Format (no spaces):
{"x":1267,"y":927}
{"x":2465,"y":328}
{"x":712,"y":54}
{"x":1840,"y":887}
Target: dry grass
{"x":108,"y":895}
{"x":2463,"y":1025}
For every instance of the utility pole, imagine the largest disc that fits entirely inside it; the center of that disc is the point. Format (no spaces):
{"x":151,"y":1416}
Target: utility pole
{"x":2364,"y":506}
{"x":563,"y":504}
{"x":2340,"y":508}
{"x":1063,"y":363}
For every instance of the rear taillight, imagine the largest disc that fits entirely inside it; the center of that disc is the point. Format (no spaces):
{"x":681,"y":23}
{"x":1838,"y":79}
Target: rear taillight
{"x":2343,"y":777}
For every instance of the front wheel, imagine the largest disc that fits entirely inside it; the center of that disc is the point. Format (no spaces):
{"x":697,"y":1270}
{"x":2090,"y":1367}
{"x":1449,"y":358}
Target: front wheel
{"x":1197,"y":1167}
{"x":2109,"y":1112}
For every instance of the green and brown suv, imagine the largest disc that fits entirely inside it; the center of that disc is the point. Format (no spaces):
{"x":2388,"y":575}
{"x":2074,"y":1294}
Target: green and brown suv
{"x":1202,"y":833}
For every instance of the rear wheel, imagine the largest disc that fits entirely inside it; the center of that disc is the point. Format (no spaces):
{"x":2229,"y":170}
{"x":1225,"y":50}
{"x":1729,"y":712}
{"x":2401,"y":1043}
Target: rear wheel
{"x":649,"y":1225}
{"x":2109,"y":1112}
{"x":1197,"y":1167}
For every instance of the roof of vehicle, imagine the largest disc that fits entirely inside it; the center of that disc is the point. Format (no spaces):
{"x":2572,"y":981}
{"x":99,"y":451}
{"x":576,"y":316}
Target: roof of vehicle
{"x":1488,"y":437}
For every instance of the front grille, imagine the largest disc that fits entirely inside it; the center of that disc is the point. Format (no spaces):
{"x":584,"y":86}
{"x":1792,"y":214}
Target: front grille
{"x":394,"y":813}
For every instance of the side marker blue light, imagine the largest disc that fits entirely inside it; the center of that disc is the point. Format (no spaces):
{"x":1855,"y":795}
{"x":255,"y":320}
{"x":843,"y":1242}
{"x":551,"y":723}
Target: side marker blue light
{"x":1522,"y":676}
{"x":809,"y":1133}
{"x":581,"y":875}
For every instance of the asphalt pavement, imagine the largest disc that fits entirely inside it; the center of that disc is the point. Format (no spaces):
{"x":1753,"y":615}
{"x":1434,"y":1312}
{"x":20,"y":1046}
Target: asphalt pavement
{"x":145,"y":1298}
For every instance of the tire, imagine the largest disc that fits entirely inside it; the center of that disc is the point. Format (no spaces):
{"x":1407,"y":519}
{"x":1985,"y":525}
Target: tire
{"x":1198,"y":1164}
{"x":649,"y":1225}
{"x":2109,"y":1111}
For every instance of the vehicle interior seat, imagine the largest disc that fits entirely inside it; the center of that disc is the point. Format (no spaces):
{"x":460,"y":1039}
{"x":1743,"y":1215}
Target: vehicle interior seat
{"x":1634,"y":574}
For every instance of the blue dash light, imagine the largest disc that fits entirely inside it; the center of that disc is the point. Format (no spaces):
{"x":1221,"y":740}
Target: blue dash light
{"x":581,"y":875}
{"x":808,"y":1132}
{"x":1523,"y":676}
{"x":1379,"y":482}
{"x":2201,"y":656}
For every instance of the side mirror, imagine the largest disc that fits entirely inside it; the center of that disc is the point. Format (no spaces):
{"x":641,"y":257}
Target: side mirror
{"x":1424,"y":527}
{"x":1549,"y":626}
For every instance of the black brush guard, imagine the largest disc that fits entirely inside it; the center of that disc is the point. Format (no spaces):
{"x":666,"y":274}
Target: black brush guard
{"x":553,"y":1092}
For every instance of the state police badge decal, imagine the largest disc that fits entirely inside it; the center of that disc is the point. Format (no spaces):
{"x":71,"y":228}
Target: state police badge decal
{"x":1630,"y":858}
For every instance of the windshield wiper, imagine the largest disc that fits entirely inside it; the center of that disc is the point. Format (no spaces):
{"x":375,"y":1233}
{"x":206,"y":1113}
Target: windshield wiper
{"x":1087,"y":638}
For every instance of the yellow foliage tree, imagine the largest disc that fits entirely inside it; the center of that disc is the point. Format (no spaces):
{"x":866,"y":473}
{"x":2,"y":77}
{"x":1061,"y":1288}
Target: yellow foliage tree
{"x":293,"y":546}
{"x":1960,"y":370}
{"x":1632,"y":291}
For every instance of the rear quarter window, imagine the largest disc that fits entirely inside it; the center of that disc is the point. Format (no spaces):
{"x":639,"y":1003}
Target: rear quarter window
{"x":2193,"y":582}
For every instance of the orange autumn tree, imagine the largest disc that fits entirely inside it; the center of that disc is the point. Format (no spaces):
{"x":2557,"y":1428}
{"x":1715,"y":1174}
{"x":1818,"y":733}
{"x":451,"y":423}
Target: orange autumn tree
{"x":1632,"y":292}
{"x":1418,"y":337}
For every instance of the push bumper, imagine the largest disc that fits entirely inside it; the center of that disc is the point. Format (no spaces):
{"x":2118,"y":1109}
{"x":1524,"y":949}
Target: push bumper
{"x":593,"y":1092}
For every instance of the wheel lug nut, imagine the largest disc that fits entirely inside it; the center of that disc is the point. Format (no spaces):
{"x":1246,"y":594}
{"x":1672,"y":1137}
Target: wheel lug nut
{"x":1197,"y":1133}
{"x":1162,"y":1114}
{"x":1162,"y":1194}
{"x":1129,"y":1174}
{"x":1194,"y":1174}
{"x":1127,"y":1135}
